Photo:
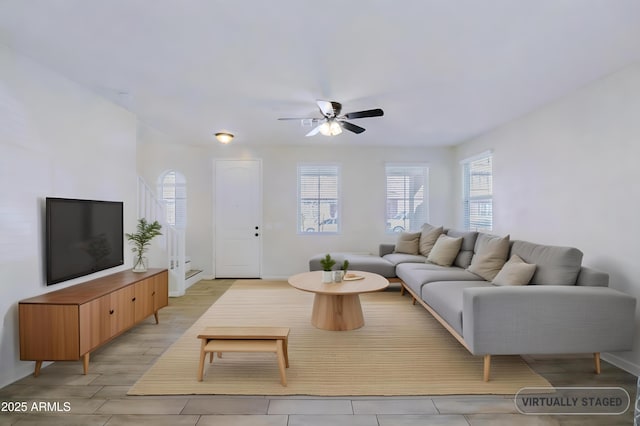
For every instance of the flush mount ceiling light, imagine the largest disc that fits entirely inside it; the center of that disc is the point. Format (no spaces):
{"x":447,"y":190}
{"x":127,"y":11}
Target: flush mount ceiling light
{"x":224,"y":137}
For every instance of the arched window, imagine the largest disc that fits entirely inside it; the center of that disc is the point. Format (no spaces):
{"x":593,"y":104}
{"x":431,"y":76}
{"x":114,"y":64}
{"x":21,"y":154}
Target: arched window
{"x":173,"y":191}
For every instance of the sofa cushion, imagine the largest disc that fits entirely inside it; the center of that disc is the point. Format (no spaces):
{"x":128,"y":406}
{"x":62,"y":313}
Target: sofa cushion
{"x":490,"y":255}
{"x":416,"y":275}
{"x":314,"y":261}
{"x":515,"y":272}
{"x":398,"y":258}
{"x":446,"y":299}
{"x":371,"y":263}
{"x":463,"y":259}
{"x":555,"y":265}
{"x":408,"y":242}
{"x":357,"y":262}
{"x":445,"y":250}
{"x":428,"y":238}
{"x":386,"y":248}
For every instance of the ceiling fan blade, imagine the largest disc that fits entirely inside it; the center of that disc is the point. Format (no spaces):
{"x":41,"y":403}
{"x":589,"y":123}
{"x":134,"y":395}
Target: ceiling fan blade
{"x":329,"y":109}
{"x":314,"y":131}
{"x":337,"y":107}
{"x":298,"y":118}
{"x":364,"y":114}
{"x":352,"y":127}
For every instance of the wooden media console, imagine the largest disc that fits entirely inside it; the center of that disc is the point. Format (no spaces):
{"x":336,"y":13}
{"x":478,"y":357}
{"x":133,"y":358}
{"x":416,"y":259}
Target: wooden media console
{"x":67,"y":324}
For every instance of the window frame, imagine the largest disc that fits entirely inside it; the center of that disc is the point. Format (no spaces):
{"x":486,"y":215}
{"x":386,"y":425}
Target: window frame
{"x":301,"y":223}
{"x":413,"y":227}
{"x":468,"y":199}
{"x":179,"y":203}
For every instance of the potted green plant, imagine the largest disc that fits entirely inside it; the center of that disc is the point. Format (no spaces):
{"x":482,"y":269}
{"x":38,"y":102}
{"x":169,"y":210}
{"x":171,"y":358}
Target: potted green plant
{"x":327,"y":264}
{"x":141,"y":240}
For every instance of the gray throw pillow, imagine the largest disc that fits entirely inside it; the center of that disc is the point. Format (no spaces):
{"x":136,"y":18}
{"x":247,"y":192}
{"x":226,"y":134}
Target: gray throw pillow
{"x":428,"y":238}
{"x":445,"y":250}
{"x":515,"y":272}
{"x":491,"y":255}
{"x":408,"y":242}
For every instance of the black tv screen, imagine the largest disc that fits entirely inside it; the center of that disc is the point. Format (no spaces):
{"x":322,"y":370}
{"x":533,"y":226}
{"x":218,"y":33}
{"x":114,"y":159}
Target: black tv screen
{"x":82,"y":237}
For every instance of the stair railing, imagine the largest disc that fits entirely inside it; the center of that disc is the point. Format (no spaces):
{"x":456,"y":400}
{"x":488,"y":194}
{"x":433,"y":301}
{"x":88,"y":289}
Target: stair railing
{"x":172,"y":241}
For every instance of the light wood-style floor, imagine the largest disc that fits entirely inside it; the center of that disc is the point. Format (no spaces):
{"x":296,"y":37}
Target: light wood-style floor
{"x":67,"y":397}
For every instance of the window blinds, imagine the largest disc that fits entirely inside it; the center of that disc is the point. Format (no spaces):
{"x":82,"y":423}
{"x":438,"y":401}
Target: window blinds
{"x":406,"y":197}
{"x":318,"y":198}
{"x":174,"y":195}
{"x":478,"y":193}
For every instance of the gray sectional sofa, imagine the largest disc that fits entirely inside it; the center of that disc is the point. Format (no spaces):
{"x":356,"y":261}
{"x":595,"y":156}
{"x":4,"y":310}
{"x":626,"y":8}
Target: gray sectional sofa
{"x":505,"y":297}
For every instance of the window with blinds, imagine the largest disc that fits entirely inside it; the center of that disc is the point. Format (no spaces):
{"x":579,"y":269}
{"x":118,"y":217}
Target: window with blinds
{"x":478,"y":193}
{"x":174,"y":194}
{"x":406,"y":197}
{"x":318,"y":198}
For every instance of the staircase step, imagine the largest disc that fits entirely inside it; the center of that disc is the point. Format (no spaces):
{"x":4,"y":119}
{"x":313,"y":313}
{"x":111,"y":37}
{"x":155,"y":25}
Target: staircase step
{"x":191,"y":272}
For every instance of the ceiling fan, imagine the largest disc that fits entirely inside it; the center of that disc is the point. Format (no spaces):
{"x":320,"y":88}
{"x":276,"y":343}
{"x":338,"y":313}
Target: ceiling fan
{"x":332,"y":122}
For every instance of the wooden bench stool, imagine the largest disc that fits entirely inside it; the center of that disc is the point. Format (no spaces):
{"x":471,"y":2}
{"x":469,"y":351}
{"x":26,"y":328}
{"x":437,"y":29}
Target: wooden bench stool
{"x":245,"y":339}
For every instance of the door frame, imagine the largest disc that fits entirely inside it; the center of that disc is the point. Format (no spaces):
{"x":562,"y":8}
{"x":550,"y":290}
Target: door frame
{"x":214,"y":210}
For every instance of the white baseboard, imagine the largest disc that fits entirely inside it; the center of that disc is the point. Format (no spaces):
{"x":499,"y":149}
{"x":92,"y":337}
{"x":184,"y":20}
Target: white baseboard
{"x":622,"y":363}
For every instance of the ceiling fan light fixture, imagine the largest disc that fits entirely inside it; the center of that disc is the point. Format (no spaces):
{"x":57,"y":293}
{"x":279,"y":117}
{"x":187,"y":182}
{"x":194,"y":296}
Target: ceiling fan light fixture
{"x":330,"y":128}
{"x":224,"y":137}
{"x":335,"y":128}
{"x":325,"y":129}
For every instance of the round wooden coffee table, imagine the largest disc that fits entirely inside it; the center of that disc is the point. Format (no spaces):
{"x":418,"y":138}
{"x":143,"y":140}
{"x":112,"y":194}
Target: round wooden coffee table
{"x":336,"y":306}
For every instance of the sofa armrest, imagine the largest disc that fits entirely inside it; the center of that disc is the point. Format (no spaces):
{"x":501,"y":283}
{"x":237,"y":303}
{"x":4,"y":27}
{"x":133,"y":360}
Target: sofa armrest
{"x":386,"y":249}
{"x":591,"y":277}
{"x":547,"y":319}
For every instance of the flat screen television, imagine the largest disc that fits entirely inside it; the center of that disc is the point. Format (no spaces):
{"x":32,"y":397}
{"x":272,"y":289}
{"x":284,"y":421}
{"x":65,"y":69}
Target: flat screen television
{"x":82,"y":237}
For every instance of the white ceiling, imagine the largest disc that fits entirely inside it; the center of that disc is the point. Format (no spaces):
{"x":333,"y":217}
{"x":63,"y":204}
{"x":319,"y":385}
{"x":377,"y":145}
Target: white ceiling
{"x":442,"y":70}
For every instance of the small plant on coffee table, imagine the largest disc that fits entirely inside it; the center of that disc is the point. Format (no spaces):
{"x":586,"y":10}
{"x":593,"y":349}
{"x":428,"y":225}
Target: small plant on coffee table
{"x":327,"y":263}
{"x":345,"y":266}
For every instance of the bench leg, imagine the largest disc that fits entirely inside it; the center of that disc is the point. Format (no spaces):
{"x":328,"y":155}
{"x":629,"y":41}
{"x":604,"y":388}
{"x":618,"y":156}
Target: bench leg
{"x":596,"y":360}
{"x":285,"y":345}
{"x":202,"y":357}
{"x":401,"y":290}
{"x":487,"y":367}
{"x":281,"y":362}
{"x":413,"y":300}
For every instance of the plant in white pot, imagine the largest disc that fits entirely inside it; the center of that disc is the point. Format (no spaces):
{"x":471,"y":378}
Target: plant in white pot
{"x":327,"y":264}
{"x":141,"y":240}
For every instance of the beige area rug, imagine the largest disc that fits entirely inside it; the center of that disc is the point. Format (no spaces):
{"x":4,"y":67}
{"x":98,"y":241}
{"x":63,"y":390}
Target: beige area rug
{"x":401,"y":350}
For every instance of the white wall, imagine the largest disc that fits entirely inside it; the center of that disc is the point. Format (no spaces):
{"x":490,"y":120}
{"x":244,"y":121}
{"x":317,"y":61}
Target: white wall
{"x":56,"y":139}
{"x":568,"y":175}
{"x":284,"y":251}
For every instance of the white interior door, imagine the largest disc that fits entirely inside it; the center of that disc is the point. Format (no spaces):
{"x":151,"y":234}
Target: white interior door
{"x":238,"y":218}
